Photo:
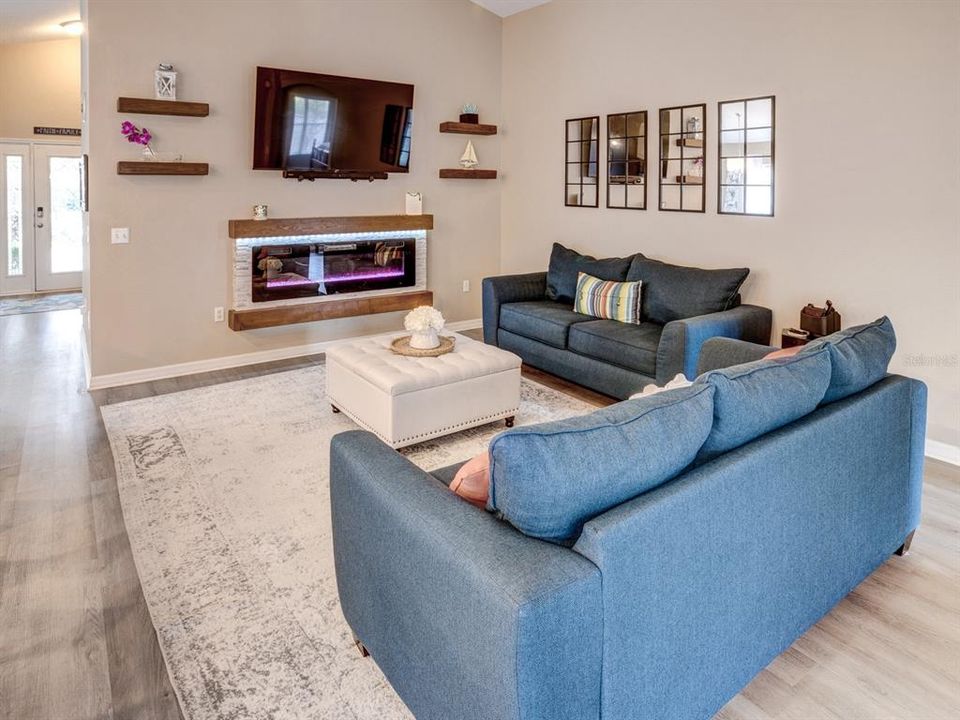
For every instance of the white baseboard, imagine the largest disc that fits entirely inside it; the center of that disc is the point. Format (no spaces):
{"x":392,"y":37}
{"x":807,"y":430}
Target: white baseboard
{"x":99,"y":382}
{"x":942,"y":451}
{"x":934,"y":449}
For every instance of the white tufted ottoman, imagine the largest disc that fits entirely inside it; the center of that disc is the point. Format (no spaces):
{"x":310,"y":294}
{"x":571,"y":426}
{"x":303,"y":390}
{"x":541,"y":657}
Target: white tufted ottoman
{"x":406,"y":400}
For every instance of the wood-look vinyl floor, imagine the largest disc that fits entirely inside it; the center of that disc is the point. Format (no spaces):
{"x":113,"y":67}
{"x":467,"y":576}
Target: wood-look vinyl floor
{"x":76,"y":641}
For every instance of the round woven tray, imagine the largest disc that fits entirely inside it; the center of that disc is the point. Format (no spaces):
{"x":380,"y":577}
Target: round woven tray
{"x":401,"y":346}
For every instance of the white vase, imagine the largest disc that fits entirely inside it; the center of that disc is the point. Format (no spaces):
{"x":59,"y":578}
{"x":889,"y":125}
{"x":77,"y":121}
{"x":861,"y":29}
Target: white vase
{"x":426,"y":340}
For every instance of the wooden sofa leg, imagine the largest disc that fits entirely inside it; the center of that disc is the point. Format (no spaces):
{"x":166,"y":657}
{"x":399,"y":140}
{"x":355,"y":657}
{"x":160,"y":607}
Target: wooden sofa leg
{"x":360,"y":647}
{"x":905,"y":548}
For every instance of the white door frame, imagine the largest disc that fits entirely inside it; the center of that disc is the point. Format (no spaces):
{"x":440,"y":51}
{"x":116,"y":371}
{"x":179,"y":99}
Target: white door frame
{"x":46,"y":279}
{"x":27,"y":282}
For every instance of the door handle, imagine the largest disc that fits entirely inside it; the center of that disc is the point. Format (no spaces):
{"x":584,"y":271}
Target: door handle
{"x":39,"y":217}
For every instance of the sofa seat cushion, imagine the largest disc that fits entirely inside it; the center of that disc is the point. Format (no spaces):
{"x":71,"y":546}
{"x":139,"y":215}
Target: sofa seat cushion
{"x":630,"y":346}
{"x":859,"y":357}
{"x":758,"y":397}
{"x":547,"y":480}
{"x":566,"y":265}
{"x":542,"y":320}
{"x":675,"y":292}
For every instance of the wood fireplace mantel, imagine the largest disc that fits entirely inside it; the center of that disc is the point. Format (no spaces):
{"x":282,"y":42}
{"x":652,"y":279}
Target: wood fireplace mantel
{"x":257,"y":318}
{"x":282,"y":227}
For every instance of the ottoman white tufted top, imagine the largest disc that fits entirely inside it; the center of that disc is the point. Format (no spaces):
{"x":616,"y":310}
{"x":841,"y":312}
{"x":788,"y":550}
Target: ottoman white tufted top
{"x":395,"y":374}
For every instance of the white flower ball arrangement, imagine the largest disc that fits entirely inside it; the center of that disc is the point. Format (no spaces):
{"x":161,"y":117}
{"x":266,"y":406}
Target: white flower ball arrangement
{"x":424,"y":323}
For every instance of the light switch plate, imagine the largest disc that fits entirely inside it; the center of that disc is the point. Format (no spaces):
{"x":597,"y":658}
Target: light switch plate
{"x":119,"y":236}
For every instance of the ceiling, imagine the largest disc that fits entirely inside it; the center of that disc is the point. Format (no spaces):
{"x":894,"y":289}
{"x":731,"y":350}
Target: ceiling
{"x":28,"y":20}
{"x":508,"y":7}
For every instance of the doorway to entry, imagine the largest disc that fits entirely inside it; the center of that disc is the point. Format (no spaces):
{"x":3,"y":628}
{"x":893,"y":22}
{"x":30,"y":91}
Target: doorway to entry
{"x":41,"y":218}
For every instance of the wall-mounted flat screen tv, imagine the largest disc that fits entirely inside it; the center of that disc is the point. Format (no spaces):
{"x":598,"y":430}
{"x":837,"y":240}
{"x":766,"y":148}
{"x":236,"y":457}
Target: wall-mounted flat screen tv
{"x":326,"y":123}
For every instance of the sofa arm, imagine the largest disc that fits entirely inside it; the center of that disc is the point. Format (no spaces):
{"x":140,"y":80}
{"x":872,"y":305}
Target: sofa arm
{"x":507,"y":289}
{"x":681,"y":340}
{"x":466,"y":617}
{"x":722,"y":352}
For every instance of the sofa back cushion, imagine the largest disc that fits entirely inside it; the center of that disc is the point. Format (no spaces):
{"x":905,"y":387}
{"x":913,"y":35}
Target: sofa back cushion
{"x":755,"y":398}
{"x":859,"y":356}
{"x":567,"y":264}
{"x":547,"y":480}
{"x":675,"y":292}
{"x":608,"y":299}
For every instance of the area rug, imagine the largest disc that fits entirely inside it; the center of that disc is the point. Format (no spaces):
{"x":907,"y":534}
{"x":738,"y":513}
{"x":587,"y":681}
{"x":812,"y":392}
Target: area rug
{"x":225,"y":498}
{"x":22,"y":304}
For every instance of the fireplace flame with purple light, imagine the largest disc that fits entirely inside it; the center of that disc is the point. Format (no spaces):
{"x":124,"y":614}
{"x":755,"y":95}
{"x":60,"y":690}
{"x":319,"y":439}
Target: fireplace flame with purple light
{"x":314,"y":270}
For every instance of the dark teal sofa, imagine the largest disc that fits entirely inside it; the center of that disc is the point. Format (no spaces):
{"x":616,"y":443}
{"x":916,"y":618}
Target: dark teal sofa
{"x":532,"y":315}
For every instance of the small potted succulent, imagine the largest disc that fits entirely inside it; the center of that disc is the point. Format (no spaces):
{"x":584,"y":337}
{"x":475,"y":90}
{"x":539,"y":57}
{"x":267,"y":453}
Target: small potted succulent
{"x":424,"y":323}
{"x":470,"y":113}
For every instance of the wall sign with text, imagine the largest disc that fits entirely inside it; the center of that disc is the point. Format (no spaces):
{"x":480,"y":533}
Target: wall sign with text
{"x":73,"y":132}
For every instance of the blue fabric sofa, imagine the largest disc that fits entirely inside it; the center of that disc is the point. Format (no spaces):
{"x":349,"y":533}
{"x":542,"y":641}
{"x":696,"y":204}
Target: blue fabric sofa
{"x":621,"y":574}
{"x":532,"y":315}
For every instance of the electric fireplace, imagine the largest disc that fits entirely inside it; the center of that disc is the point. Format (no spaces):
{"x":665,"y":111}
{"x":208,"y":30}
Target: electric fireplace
{"x":284,"y":272}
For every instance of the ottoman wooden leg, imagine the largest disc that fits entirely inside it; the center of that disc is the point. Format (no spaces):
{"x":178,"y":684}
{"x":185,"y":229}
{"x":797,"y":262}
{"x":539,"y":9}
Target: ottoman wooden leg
{"x":334,"y":408}
{"x":509,"y":421}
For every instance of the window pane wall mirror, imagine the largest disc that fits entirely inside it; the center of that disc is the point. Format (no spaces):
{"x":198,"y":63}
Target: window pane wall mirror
{"x":682,"y":160}
{"x":746,"y":156}
{"x":582,"y":162}
{"x":627,"y":160}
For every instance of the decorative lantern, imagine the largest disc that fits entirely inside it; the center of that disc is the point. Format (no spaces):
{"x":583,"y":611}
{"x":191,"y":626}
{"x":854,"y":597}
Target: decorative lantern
{"x":165,"y":82}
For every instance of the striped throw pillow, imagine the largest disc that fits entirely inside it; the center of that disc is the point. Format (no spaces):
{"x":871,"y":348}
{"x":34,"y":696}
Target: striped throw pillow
{"x":608,"y":299}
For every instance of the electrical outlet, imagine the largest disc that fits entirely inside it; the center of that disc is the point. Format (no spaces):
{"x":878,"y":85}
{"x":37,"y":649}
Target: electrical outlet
{"x":466,"y":286}
{"x":119,"y":236}
{"x":218,"y":314}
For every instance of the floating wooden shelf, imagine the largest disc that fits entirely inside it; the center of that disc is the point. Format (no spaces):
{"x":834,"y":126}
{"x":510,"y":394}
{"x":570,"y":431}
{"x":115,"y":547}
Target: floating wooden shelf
{"x":256,"y":318}
{"x":465,"y":174}
{"x":689,"y":180}
{"x":690,"y":142}
{"x":162,"y":168}
{"x":468,"y":128}
{"x":148,"y":106}
{"x":281,"y":227}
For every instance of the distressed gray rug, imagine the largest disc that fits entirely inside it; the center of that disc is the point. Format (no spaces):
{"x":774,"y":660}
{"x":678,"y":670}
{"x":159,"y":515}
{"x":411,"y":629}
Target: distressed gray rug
{"x":225,"y":498}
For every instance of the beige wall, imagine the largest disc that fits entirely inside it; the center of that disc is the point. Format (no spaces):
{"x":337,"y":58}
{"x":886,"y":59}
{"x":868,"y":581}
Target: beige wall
{"x":151,"y":302}
{"x":39,"y":85}
{"x":868,"y":199}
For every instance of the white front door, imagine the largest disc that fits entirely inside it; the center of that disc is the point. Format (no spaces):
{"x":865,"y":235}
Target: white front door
{"x":58,"y":217}
{"x":16,"y":219}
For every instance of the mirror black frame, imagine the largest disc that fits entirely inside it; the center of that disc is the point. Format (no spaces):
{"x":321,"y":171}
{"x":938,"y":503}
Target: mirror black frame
{"x":626,"y":161}
{"x":592,"y":159}
{"x":682,"y":141}
{"x":772,"y":156}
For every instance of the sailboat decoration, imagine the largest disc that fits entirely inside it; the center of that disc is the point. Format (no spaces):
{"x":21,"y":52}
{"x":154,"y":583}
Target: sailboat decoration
{"x":469,"y":158}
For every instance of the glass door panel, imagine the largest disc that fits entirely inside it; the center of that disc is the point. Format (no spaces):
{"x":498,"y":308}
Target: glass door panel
{"x":16,"y":226}
{"x":66,"y":217}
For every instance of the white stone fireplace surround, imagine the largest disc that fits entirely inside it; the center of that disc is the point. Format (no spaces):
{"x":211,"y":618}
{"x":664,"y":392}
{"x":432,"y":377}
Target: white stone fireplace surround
{"x":243,"y":260}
